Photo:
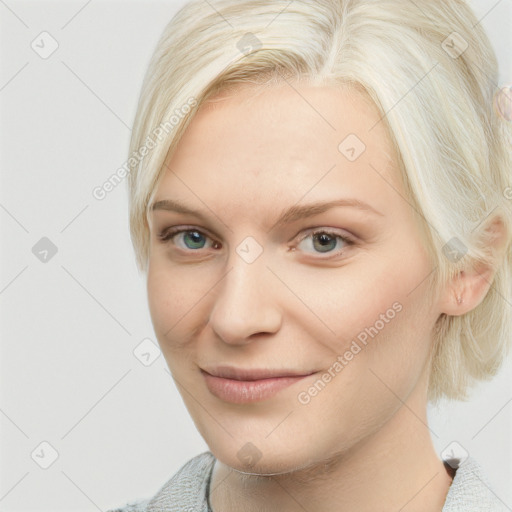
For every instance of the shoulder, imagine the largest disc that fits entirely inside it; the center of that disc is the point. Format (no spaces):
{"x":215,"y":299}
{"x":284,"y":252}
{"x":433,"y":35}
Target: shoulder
{"x":471,"y":491}
{"x":189,"y":486}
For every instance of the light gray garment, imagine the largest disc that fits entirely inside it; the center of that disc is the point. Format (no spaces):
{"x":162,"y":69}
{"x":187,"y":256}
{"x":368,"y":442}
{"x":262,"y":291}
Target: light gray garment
{"x":188,"y":489}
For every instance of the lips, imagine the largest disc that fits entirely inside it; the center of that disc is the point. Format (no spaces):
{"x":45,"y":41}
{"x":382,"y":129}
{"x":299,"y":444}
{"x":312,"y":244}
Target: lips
{"x":229,"y":372}
{"x":242,"y":386}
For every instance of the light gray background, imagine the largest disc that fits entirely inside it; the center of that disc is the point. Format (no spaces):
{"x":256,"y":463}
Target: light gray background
{"x":69,"y":326}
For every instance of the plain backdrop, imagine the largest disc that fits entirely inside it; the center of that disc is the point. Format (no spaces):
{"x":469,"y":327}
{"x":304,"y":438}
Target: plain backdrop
{"x":74,"y":396}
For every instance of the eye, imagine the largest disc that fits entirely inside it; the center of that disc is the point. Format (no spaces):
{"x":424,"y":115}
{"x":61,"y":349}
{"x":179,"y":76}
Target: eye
{"x":324,"y":241}
{"x":320,"y":241}
{"x":187,"y":238}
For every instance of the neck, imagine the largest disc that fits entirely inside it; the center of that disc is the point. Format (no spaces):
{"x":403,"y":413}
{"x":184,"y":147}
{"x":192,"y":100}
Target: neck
{"x":396,"y":468}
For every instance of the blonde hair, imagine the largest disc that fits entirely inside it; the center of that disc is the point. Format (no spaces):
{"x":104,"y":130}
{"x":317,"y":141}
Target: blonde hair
{"x":432,"y":74}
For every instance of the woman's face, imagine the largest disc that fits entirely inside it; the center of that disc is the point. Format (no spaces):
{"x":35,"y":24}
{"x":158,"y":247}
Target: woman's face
{"x":247,"y":291}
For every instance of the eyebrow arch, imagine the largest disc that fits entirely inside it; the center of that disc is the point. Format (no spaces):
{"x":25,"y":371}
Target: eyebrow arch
{"x":293,"y":214}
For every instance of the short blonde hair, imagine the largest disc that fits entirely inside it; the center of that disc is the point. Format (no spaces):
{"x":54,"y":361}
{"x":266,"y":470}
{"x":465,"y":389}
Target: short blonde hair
{"x":432,"y":74}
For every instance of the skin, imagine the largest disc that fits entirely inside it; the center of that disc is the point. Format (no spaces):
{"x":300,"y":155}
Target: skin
{"x":362,"y":443}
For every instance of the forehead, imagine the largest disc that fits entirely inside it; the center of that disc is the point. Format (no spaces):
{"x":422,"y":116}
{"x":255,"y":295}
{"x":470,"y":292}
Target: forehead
{"x":291,"y":108}
{"x":280,"y":143}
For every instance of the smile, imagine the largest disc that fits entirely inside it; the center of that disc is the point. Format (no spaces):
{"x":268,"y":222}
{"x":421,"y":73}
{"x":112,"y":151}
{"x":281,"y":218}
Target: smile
{"x":243,"y":387}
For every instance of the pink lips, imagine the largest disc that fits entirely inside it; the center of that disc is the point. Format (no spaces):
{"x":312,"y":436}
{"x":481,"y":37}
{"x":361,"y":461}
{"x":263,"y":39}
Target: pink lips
{"x":240,"y":386}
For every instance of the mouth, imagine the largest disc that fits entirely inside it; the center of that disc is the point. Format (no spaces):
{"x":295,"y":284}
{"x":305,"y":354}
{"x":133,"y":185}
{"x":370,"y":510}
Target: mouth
{"x":243,"y":386}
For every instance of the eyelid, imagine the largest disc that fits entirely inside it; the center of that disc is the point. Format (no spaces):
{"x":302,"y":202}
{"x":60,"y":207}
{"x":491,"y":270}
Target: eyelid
{"x":166,"y":234}
{"x":331,"y":231}
{"x":346,"y":238}
{"x":349,"y":240}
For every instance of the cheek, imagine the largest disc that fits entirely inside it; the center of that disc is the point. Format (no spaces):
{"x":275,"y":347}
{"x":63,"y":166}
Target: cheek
{"x":176,"y":301}
{"x":166,"y":301}
{"x":377,"y":310}
{"x":357,"y":294}
{"x":395,"y":341}
{"x":379,"y":365}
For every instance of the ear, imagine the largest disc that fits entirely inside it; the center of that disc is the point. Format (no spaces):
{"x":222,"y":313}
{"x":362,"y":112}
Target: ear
{"x":468,"y":288}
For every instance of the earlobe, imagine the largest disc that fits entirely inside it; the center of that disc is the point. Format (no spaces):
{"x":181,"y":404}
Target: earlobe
{"x":467,"y":289}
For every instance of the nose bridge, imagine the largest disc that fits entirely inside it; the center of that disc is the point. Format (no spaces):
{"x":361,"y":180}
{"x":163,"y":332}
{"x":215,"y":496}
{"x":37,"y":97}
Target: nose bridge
{"x":244,"y":302}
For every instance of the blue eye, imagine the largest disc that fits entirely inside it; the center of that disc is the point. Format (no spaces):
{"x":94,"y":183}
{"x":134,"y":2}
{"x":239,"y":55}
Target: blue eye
{"x":323,"y":241}
{"x":320,"y":241}
{"x":196,"y":239}
{"x":192,"y":238}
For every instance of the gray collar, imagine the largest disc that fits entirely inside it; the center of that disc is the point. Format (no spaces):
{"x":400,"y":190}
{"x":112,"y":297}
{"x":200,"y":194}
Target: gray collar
{"x":188,"y":489}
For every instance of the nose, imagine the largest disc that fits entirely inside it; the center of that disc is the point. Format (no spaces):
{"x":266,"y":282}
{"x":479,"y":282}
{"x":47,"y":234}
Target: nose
{"x":245,"y":304}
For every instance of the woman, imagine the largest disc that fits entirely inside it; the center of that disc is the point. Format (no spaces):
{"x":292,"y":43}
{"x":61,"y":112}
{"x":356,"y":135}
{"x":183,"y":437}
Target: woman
{"x":317,"y":198}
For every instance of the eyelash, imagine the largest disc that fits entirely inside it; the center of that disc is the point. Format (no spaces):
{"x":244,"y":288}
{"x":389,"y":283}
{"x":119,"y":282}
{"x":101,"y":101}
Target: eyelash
{"x":167,"y":234}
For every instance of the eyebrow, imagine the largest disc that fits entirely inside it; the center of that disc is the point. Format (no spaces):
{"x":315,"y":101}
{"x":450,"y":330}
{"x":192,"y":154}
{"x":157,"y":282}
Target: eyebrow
{"x":293,"y":214}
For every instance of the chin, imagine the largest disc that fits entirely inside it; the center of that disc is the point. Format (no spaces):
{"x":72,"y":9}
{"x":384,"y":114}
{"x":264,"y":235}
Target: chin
{"x":263,"y":458}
